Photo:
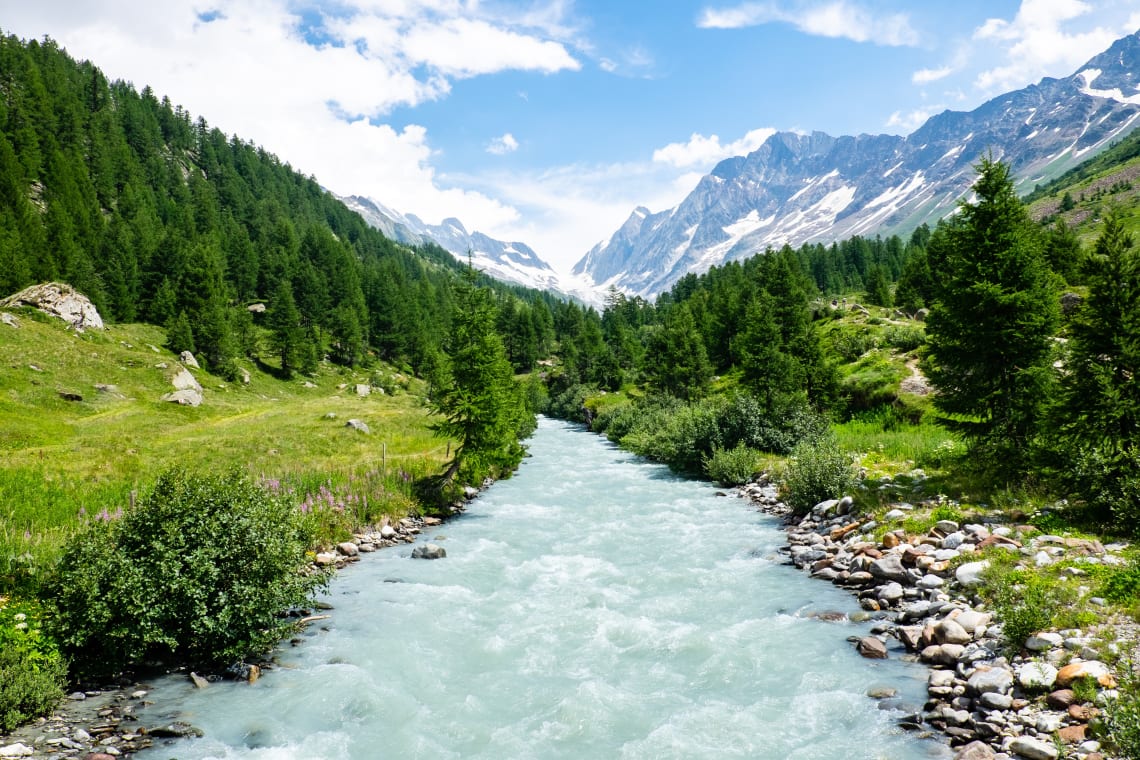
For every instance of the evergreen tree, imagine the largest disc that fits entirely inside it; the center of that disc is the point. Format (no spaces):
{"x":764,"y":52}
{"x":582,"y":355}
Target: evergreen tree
{"x":677,"y":362}
{"x":769,"y":372}
{"x":180,"y":334}
{"x":878,"y":286}
{"x":475,"y":391}
{"x":1099,"y":415}
{"x":1064,"y":253}
{"x":286,"y":335}
{"x":988,"y":334}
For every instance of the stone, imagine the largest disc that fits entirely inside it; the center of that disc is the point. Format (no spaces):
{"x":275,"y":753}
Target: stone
{"x":199,"y":682}
{"x":929,"y":581}
{"x":1033,"y":749}
{"x":872,"y":647}
{"x":890,"y":541}
{"x":58,"y":300}
{"x":243,"y":374}
{"x":387,"y":531}
{"x":1082,"y":713}
{"x":972,"y":621}
{"x":182,"y":380}
{"x":890,"y":568}
{"x":891,"y":592}
{"x":324,"y":559}
{"x":429,"y":551}
{"x":108,"y":755}
{"x":10,"y":320}
{"x":949,"y":631}
{"x":363,"y":389}
{"x":946,"y":527}
{"x":894,"y":514}
{"x":1042,"y":642}
{"x":882,"y":692}
{"x":1073,"y":734}
{"x":969,"y":574}
{"x":1035,"y":676}
{"x":1060,"y":699}
{"x":16,"y":750}
{"x":939,"y":679}
{"x":188,"y":359}
{"x":187,"y":397}
{"x":175,"y":730}
{"x":953,"y":540}
{"x":256,"y":308}
{"x":358,"y":425}
{"x":1042,"y":559}
{"x":991,"y":681}
{"x":1088,"y":669}
{"x":348,"y":549}
{"x":975,"y":750}
{"x":254,"y":674}
{"x":993,"y":700}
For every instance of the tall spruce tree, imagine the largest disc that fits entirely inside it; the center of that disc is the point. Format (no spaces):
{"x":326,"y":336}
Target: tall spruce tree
{"x":1099,"y":413}
{"x":475,"y":391}
{"x":988,"y":334}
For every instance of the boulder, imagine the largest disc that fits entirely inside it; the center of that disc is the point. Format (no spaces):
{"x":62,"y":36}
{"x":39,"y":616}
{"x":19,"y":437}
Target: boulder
{"x":1060,"y":699}
{"x":949,"y":631}
{"x":9,"y":319}
{"x":58,"y":300}
{"x":188,"y":359}
{"x":991,"y":681}
{"x":890,"y":568}
{"x":1033,"y":749}
{"x":243,"y":374}
{"x":358,"y":425}
{"x":348,"y":549}
{"x":1043,"y":642}
{"x":975,"y":750}
{"x":1088,"y":669}
{"x":993,"y":700}
{"x":872,"y":647}
{"x":363,"y":389}
{"x":429,"y":551}
{"x":1035,"y":676}
{"x":188,"y":397}
{"x":16,"y":750}
{"x":182,"y":380}
{"x":969,"y":574}
{"x":973,"y":621}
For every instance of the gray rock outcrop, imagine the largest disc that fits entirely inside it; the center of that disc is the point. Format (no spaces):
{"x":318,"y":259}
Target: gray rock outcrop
{"x":59,"y":300}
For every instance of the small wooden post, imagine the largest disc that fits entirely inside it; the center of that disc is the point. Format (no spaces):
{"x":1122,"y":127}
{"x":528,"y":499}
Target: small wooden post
{"x":384,"y":459}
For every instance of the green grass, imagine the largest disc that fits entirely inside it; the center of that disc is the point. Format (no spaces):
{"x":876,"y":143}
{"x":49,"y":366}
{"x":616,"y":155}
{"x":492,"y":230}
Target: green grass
{"x":66,"y":462}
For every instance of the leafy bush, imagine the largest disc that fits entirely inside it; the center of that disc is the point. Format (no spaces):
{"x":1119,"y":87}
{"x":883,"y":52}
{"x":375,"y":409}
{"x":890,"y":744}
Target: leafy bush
{"x":1022,"y":602}
{"x":197,"y":571}
{"x":731,"y":467}
{"x":905,"y":338}
{"x":569,"y":404}
{"x":1122,"y":715}
{"x":32,"y":672}
{"x":818,"y":470}
{"x":1110,"y":483}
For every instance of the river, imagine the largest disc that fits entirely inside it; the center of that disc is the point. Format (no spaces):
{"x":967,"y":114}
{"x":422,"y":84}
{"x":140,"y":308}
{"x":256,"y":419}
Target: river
{"x":592,"y":606}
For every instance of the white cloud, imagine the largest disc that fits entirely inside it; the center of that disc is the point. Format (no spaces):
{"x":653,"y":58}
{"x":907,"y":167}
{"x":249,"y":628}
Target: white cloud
{"x":836,"y":18}
{"x":316,"y":102}
{"x":1037,"y":42}
{"x":701,"y":151}
{"x":926,"y":76}
{"x":908,"y":122}
{"x":501,"y":146}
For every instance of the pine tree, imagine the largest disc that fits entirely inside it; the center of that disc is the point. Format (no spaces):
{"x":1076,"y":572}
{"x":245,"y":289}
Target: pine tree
{"x":988,"y":334}
{"x":180,"y":334}
{"x":677,"y":362}
{"x":769,"y":372}
{"x":878,"y":286}
{"x":285,"y":332}
{"x":475,"y":391}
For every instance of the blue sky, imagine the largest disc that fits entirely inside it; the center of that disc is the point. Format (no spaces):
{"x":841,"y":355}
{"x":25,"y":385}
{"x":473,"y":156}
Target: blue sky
{"x":548,"y":121}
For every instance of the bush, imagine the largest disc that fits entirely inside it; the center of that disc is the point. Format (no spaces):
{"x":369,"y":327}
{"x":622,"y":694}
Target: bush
{"x":1122,"y":715}
{"x":1022,"y":602}
{"x":32,"y":672}
{"x":731,"y":467}
{"x":1110,"y":484}
{"x":199,"y":572}
{"x":570,"y":404}
{"x":818,"y":470}
{"x":905,"y":338}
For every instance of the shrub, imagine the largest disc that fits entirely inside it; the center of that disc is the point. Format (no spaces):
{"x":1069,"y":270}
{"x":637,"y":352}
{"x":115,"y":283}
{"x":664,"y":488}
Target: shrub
{"x":1122,"y":715}
{"x":1110,"y":483}
{"x":570,"y":404}
{"x":198,"y":571}
{"x":32,"y":672}
{"x":818,"y":470}
{"x":731,"y":467}
{"x":1022,"y":602}
{"x":905,"y":338}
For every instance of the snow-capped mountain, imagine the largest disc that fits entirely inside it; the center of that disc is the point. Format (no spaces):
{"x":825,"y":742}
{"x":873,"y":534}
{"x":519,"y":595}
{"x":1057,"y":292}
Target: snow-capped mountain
{"x":799,"y":188}
{"x":511,"y":262}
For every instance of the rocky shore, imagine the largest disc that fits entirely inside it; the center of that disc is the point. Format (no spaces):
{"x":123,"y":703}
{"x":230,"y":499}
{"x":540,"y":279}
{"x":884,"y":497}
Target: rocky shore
{"x":101,"y":722}
{"x":919,"y":594}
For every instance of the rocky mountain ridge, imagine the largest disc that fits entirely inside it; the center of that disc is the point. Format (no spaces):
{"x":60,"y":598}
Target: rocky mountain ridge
{"x":803,"y":188}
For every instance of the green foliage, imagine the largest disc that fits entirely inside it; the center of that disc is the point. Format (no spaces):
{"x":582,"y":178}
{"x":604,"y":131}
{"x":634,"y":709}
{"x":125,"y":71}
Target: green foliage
{"x":878,"y":286}
{"x":731,"y":467}
{"x":198,"y":571}
{"x":1122,"y":715}
{"x":680,"y":364}
{"x":818,"y":470}
{"x":570,"y":403}
{"x":482,"y":406}
{"x":905,"y":338}
{"x":988,"y":333}
{"x":32,"y":672}
{"x":1022,"y":600}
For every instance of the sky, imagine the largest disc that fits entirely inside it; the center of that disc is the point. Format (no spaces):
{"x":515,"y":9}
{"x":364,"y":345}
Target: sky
{"x":549,"y":121}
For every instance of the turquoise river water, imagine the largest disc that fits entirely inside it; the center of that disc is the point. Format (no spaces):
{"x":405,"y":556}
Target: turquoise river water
{"x":592,"y":606}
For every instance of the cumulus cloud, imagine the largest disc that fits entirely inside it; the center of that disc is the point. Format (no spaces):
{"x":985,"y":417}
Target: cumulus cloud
{"x":1038,"y":41}
{"x":701,"y":151}
{"x":314,"y":88}
{"x":501,"y":146}
{"x":837,"y":18}
{"x":910,"y":121}
{"x":926,"y":76}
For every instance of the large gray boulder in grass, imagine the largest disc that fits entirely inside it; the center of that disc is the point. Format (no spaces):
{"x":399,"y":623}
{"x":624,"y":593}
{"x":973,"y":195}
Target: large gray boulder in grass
{"x":59,"y":300}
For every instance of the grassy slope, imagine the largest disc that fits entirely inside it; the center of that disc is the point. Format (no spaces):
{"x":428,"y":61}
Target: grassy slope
{"x":65,"y":461}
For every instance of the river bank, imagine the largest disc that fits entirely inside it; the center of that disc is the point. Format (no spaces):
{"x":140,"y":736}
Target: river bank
{"x":1034,"y":700}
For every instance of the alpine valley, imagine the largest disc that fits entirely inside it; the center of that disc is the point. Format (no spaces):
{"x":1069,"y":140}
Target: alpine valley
{"x":806,"y":188}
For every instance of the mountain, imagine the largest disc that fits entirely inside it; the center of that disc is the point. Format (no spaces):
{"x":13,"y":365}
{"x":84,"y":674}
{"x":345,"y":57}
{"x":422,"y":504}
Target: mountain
{"x":511,"y":262}
{"x":802,"y":188}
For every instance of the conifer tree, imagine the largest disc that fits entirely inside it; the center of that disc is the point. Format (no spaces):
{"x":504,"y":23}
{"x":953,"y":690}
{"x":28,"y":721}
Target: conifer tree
{"x":285,"y":331}
{"x":676,"y":359}
{"x":475,"y":391}
{"x":989,"y":329}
